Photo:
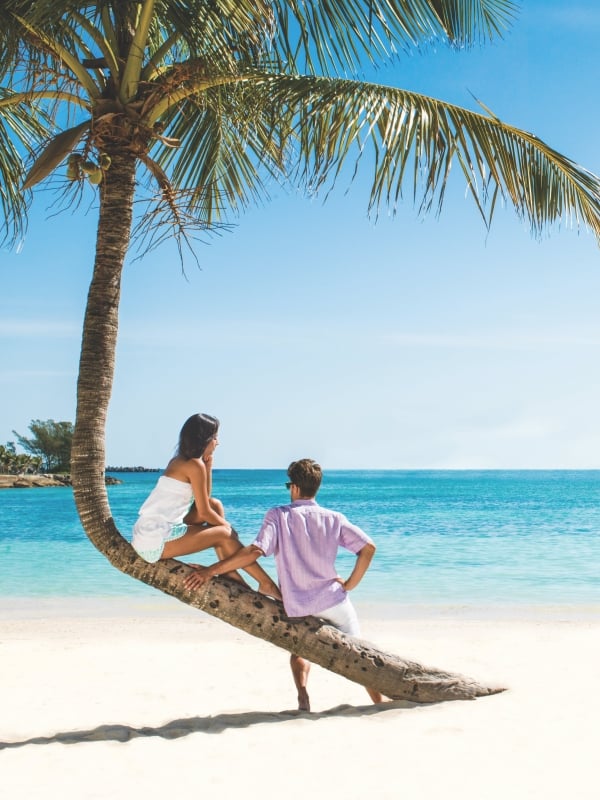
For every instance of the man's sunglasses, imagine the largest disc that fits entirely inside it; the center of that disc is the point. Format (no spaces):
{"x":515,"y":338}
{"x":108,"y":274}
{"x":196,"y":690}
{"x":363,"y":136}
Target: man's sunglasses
{"x":289,"y":485}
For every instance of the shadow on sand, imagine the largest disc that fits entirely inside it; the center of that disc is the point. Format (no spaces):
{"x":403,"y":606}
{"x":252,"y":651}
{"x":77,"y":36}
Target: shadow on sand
{"x":184,"y":727}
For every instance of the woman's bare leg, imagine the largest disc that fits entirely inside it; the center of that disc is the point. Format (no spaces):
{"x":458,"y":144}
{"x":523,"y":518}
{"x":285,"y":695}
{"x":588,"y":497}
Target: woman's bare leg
{"x":193,"y":517}
{"x":227,"y":548}
{"x":225,"y":543}
{"x":224,"y":552}
{"x":197,"y":538}
{"x":265,"y":584}
{"x":201,"y":537}
{"x":217,"y":506}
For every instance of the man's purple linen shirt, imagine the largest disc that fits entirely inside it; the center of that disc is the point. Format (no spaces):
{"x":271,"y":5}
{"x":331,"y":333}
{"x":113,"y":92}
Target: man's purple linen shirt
{"x":304,"y":537}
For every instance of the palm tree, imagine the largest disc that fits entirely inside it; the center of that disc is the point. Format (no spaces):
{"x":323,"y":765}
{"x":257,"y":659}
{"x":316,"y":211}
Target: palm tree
{"x":194,"y":107}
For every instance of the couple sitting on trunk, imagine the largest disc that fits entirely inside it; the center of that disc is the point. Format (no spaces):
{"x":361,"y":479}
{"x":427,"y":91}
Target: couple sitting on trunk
{"x":181,"y":517}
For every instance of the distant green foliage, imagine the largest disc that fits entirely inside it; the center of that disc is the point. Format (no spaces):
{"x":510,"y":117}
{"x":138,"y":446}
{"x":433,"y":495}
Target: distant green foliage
{"x":13,"y":463}
{"x":50,"y":442}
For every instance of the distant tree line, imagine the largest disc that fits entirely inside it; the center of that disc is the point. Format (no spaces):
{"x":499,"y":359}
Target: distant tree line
{"x":48,"y":449}
{"x":13,"y":463}
{"x":133,"y":469}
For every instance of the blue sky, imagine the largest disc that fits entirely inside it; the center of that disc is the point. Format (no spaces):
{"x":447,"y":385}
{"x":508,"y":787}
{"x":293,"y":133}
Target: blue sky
{"x":312,"y":331}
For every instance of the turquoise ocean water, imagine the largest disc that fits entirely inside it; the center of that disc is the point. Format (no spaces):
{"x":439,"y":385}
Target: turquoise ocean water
{"x":443,"y":537}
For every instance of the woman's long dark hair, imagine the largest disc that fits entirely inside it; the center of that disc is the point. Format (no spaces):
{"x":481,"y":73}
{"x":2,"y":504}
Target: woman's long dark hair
{"x":196,"y":433}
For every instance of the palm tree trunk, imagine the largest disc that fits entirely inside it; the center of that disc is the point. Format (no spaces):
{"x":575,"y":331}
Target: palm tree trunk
{"x":97,"y":360}
{"x":312,"y":638}
{"x":223,"y":598}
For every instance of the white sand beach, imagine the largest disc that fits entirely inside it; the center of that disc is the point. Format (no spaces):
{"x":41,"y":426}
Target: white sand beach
{"x":153,"y":700}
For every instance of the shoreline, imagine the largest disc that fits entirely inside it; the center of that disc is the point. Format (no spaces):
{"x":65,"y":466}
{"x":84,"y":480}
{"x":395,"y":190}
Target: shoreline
{"x":44,"y":480}
{"x":41,"y":480}
{"x":164,"y":606}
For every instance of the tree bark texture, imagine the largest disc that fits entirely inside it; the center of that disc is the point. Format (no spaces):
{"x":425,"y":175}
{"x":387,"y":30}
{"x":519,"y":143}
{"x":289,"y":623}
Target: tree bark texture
{"x":99,"y":341}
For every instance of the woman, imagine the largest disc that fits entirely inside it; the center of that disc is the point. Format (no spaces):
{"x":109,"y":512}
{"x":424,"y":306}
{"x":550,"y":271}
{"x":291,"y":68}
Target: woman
{"x":180,"y":516}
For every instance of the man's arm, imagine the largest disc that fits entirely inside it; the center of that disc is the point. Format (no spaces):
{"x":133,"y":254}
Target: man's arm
{"x":243,"y":558}
{"x":363,"y":559}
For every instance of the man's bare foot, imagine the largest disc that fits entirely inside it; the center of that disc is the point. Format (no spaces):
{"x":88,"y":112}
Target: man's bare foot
{"x":303,"y":700}
{"x":270,"y":589}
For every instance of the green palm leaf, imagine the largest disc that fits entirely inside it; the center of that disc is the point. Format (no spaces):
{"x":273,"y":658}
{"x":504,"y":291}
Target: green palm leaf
{"x":222,"y":77}
{"x":341,"y":34}
{"x":309,"y":129}
{"x":54,"y":153}
{"x":227,"y":155}
{"x":20,"y":125}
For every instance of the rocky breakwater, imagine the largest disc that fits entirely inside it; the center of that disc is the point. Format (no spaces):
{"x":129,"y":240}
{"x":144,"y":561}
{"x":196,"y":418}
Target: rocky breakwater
{"x":33,"y":481}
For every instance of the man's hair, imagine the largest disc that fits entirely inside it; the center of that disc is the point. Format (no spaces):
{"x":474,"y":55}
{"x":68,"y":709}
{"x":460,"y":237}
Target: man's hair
{"x":306,"y":474}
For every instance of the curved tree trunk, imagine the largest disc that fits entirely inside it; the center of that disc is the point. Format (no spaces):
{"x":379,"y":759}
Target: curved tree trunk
{"x":310,"y":637}
{"x":98,"y":346}
{"x":228,"y":600}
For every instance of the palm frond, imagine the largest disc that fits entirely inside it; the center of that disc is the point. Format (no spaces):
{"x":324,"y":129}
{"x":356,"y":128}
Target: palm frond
{"x":222,"y":77}
{"x":58,"y":51}
{"x":54,"y":152}
{"x":102,"y":38}
{"x":338,"y":36}
{"x":415,"y":140}
{"x":310,"y":130}
{"x":135,"y":58}
{"x":225,"y":154}
{"x":295,"y":36}
{"x":21,"y":127}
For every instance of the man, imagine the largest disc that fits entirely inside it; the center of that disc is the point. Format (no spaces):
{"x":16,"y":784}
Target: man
{"x":304,"y":537}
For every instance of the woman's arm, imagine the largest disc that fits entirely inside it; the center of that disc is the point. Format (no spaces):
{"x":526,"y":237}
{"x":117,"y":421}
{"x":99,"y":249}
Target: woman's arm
{"x":208,"y":463}
{"x":199,"y":476}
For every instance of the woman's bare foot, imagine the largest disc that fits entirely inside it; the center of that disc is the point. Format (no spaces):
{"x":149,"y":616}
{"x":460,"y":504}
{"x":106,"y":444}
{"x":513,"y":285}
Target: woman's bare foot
{"x":270,"y":589}
{"x":303,"y":700}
